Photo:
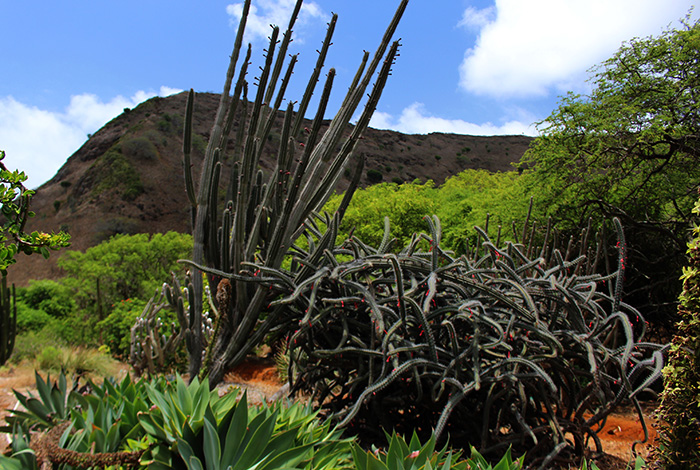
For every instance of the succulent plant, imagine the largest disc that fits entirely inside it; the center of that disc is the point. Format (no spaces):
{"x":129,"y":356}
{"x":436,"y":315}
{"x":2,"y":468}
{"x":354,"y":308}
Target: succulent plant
{"x":264,"y":214}
{"x":517,"y":345}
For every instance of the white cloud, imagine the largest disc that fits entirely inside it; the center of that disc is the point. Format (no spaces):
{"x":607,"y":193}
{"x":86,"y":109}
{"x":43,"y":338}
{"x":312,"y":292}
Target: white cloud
{"x":39,"y":141}
{"x":275,"y":12}
{"x":416,"y":120}
{"x":477,"y":19}
{"x":528,"y":47}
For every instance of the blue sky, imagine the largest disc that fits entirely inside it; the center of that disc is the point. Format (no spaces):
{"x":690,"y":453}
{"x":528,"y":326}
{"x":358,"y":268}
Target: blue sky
{"x":480,"y":67}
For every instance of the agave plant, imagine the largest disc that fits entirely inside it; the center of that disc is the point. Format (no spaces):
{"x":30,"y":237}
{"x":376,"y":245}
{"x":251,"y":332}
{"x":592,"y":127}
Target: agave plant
{"x":404,"y":456}
{"x":72,"y":428}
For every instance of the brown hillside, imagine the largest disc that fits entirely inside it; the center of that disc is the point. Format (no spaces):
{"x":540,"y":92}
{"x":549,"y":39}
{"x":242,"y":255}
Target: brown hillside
{"x":127,"y":178}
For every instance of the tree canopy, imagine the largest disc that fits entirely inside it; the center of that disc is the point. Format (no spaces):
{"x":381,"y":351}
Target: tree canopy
{"x":629,"y":149}
{"x":124,"y":267}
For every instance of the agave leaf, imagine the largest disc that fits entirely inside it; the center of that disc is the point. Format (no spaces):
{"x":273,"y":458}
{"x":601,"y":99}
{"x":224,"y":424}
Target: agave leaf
{"x":62,"y":384}
{"x":13,"y":463}
{"x":477,"y":460}
{"x":236,"y":432}
{"x":447,"y":465}
{"x":212,"y":447}
{"x":113,"y":438}
{"x":395,"y":457}
{"x":153,"y":428}
{"x":195,"y":464}
{"x":183,"y":393}
{"x":43,"y":388}
{"x":39,"y":410}
{"x":359,"y":457}
{"x":185,"y":450}
{"x":225,"y":403}
{"x":288,"y":458}
{"x":256,"y":444}
{"x":99,"y":439}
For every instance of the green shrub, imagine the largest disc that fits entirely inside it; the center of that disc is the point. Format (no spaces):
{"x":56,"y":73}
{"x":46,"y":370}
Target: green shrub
{"x":139,"y":148}
{"x":49,"y":358}
{"x":679,"y":412}
{"x":28,"y":344}
{"x":115,"y":330}
{"x":115,"y":171}
{"x":30,"y":319}
{"x":374,"y":176}
{"x":49,"y":296}
{"x":75,"y":360}
{"x":124,"y":267}
{"x":404,"y":204}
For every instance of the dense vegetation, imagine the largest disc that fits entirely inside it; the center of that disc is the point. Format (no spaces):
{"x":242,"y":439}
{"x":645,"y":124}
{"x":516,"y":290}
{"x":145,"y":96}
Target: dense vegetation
{"x":525,"y":335}
{"x":679,"y":413}
{"x":104,"y":290}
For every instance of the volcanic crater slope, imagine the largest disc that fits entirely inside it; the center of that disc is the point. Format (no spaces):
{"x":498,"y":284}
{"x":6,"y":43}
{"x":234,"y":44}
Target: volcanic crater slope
{"x":127,"y":177}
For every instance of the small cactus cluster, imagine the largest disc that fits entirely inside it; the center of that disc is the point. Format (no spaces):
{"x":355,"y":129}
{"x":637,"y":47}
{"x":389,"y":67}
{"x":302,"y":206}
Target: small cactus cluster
{"x":512,"y":345}
{"x":154,"y":345}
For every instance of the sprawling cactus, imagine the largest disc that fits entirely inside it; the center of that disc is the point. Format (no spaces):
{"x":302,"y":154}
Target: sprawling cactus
{"x":264,"y":215}
{"x":512,"y":345}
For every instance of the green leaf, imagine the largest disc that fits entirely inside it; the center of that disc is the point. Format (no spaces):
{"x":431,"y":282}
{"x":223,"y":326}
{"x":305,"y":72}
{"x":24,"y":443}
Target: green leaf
{"x":236,"y":432}
{"x":212,"y":447}
{"x":257,"y":442}
{"x":359,"y":456}
{"x":288,"y":458}
{"x":58,"y":401}
{"x":195,"y":464}
{"x":183,"y":393}
{"x":153,"y":428}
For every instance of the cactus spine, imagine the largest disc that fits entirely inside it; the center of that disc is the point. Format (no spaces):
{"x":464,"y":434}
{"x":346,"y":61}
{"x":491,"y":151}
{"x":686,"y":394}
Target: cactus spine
{"x":262,"y":219}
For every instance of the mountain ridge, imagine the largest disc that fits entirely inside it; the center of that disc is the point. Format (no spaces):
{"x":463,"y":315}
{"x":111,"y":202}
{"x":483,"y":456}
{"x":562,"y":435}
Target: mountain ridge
{"x":128,"y":178}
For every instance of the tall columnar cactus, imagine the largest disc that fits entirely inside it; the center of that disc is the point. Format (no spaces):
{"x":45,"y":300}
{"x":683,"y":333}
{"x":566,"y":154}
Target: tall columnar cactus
{"x":263,"y":215}
{"x":154,"y":345}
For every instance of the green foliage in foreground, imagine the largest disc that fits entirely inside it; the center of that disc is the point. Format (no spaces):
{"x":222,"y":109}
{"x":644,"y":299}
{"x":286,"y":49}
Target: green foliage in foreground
{"x":168,"y":425}
{"x":679,"y":413}
{"x":161,"y":425}
{"x":413,"y":455}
